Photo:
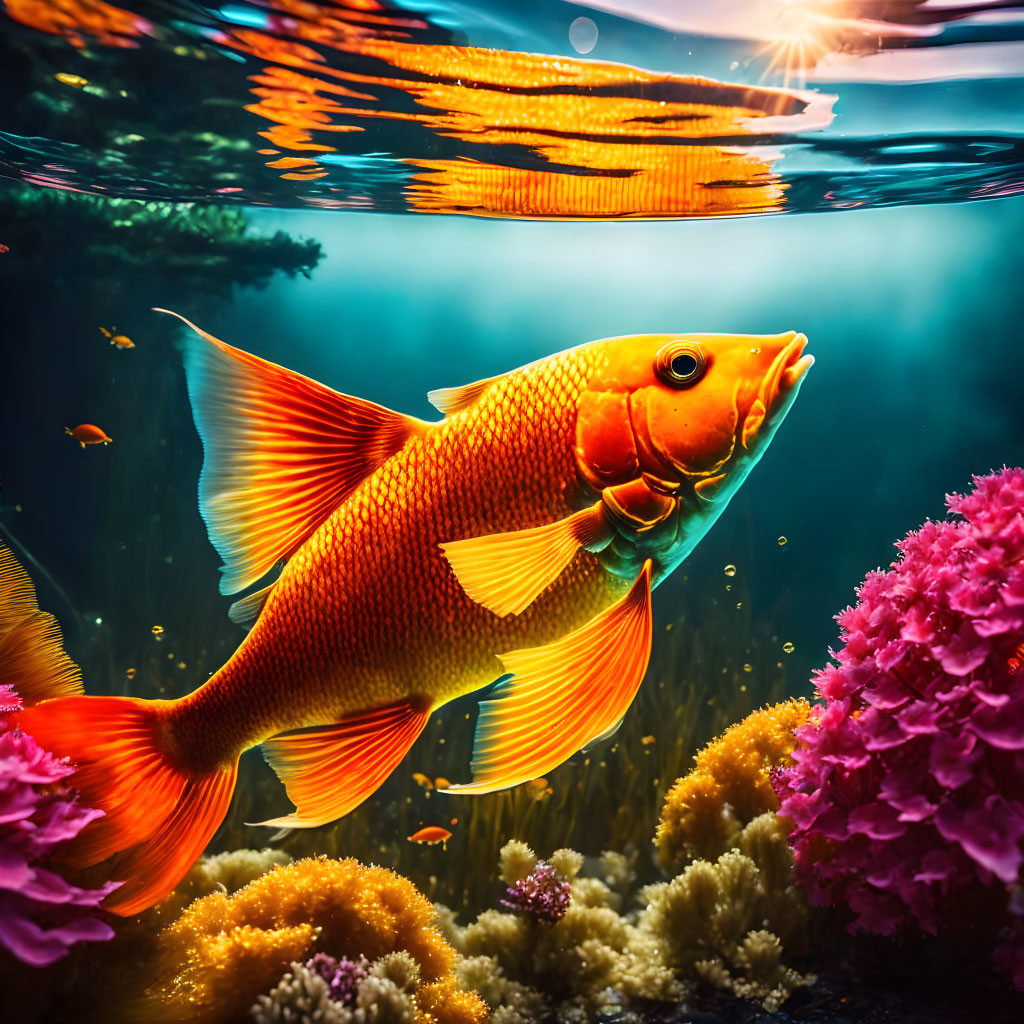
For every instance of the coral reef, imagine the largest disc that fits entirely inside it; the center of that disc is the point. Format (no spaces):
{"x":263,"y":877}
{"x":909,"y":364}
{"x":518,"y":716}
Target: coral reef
{"x":723,"y":921}
{"x":906,"y":790}
{"x":726,"y":922}
{"x":705,"y":811}
{"x":527,"y":967}
{"x":218,"y":957}
{"x":41,"y":913}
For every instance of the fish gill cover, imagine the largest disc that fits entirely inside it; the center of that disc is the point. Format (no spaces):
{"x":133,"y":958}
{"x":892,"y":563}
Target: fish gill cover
{"x":761,"y":106}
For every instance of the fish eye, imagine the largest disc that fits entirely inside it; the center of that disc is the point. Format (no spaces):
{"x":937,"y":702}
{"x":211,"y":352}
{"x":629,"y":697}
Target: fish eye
{"x":680,"y":364}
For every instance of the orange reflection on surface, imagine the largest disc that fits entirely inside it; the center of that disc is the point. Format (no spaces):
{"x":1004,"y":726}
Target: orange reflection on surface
{"x":663,"y":181}
{"x":585,"y":138}
{"x":75,"y":19}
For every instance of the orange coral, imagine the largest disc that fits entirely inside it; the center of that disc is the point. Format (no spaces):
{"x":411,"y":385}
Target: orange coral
{"x":705,"y":810}
{"x":224,"y":950}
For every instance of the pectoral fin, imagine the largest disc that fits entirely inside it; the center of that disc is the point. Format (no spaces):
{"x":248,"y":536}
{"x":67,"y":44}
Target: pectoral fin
{"x":506,"y":572}
{"x":563,"y":695}
{"x":328,"y":772}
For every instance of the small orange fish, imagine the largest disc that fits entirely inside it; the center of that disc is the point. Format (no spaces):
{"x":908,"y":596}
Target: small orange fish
{"x":432,"y":835}
{"x":422,"y":780}
{"x":75,"y":81}
{"x":441,"y":782}
{"x":4,"y":248}
{"x":1016,"y":659}
{"x":538,"y":789}
{"x":520,"y":534}
{"x":120,"y":340}
{"x":88,"y":433}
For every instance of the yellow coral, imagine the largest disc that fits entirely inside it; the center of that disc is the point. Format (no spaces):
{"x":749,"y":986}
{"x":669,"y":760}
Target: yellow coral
{"x":443,"y":1002}
{"x":705,"y":811}
{"x":224,"y":951}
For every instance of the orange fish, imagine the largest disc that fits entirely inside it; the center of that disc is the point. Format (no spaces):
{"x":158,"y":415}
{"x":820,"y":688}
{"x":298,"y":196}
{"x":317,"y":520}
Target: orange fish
{"x":120,"y":340}
{"x":422,"y":780}
{"x":518,"y":536}
{"x":88,"y":433}
{"x":430,"y":835}
{"x":4,"y":248}
{"x":1016,"y":660}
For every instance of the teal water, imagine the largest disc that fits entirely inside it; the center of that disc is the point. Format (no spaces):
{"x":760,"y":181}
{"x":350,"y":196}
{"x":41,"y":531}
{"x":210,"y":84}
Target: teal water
{"x":906,"y":283}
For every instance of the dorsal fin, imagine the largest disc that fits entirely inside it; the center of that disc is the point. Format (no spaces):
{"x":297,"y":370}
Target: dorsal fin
{"x":452,"y":400}
{"x":281,"y":452}
{"x":246,"y":610}
{"x":448,"y":401}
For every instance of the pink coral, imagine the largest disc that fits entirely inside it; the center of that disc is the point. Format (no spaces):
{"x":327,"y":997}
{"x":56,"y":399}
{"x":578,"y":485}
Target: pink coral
{"x":541,"y":895}
{"x":41,"y":914}
{"x":906,"y":790}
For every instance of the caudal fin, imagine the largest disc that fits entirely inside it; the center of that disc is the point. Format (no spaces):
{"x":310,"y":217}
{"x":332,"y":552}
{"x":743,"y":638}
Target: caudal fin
{"x":157,"y":816}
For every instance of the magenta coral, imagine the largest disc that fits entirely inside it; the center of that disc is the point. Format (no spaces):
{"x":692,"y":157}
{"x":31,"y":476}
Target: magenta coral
{"x":41,"y":913}
{"x":907,"y":788}
{"x":342,"y":976}
{"x":541,"y":895}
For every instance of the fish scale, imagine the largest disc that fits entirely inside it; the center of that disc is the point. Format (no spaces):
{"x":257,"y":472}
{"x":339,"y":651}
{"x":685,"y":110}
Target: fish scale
{"x":373,"y":575}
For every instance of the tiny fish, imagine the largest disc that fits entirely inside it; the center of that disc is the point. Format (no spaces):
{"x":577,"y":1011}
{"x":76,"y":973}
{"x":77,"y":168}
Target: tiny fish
{"x":88,"y":433}
{"x":4,"y":248}
{"x":75,"y":81}
{"x":538,"y":789}
{"x":441,"y":782}
{"x":518,"y":537}
{"x":422,"y":780}
{"x":1016,"y":660}
{"x":120,"y":340}
{"x":431,"y":835}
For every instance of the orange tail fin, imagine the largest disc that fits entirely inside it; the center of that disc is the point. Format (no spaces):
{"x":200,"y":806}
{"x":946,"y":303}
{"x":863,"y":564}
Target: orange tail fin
{"x":158,"y":816}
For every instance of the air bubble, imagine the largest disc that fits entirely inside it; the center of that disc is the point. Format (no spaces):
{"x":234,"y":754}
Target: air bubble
{"x":583,"y":35}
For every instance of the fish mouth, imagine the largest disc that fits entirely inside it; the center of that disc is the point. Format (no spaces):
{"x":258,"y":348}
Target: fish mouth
{"x":785,"y":372}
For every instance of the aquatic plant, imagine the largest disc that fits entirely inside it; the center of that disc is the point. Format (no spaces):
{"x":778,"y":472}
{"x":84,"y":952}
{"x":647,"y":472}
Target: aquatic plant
{"x":705,"y":810}
{"x":906,"y":790}
{"x":217,"y":958}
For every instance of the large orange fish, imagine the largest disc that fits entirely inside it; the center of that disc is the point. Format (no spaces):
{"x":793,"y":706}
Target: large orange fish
{"x":520,"y":535}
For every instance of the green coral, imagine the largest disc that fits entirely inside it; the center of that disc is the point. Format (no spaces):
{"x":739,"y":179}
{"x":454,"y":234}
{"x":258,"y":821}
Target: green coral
{"x":726,"y":921}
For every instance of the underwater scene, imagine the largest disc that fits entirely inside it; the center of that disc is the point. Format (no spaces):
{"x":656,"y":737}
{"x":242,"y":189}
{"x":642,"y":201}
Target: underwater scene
{"x":512,"y":511}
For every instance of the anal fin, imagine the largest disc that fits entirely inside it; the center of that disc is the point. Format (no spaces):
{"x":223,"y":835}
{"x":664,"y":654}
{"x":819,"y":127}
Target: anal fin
{"x":563,"y":695}
{"x":329,"y":771}
{"x":506,"y":572}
